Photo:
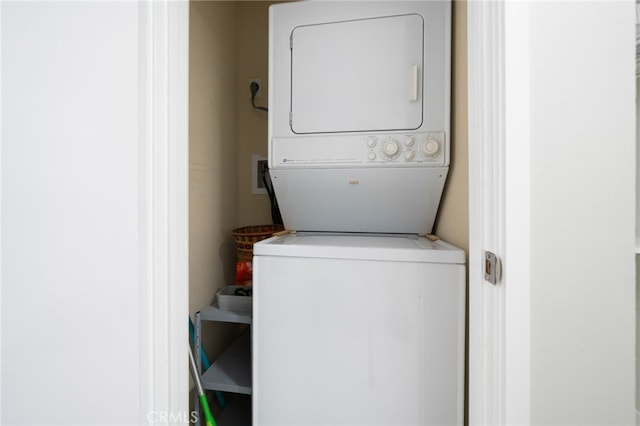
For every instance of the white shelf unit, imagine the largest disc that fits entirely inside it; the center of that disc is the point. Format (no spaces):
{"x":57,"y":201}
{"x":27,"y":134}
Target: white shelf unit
{"x":231,"y":371}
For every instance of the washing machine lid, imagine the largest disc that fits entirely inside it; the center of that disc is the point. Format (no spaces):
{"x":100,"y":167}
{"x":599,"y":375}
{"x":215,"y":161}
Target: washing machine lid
{"x":383,"y":247}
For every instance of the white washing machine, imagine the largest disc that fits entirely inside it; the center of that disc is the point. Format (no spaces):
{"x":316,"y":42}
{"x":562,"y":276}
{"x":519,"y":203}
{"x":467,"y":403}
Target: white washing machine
{"x":358,"y":330}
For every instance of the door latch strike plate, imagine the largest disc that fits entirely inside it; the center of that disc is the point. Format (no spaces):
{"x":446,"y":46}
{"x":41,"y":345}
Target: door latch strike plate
{"x":492,"y":267}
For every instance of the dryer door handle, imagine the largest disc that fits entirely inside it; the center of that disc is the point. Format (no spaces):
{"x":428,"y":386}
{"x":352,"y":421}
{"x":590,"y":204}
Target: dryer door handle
{"x":415,"y":81}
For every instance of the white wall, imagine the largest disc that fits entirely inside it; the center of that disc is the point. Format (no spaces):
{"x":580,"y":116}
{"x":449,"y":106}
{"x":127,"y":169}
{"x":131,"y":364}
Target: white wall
{"x":85,"y":208}
{"x":582,"y":159}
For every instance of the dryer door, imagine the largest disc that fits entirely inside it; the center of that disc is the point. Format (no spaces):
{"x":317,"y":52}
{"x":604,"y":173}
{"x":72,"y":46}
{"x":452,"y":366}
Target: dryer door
{"x":359,"y":75}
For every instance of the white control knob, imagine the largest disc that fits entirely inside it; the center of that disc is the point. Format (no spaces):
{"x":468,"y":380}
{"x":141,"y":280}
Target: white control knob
{"x":409,"y":155}
{"x":372,"y":156}
{"x":390,"y":148}
{"x":410,"y":141}
{"x":371,"y":142}
{"x":430,"y":147}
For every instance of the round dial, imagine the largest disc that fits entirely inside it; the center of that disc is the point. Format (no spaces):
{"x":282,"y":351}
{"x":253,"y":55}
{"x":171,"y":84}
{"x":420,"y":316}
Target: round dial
{"x":371,"y":141}
{"x":430,"y":147}
{"x":390,"y":148}
{"x":409,"y":140}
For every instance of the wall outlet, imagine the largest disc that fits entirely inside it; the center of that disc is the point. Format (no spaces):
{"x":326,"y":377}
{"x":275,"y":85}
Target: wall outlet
{"x":259,"y":165}
{"x":259,"y":92}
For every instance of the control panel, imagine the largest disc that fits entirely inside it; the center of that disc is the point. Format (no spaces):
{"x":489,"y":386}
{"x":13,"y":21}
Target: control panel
{"x":404,"y":148}
{"x":388,"y":149}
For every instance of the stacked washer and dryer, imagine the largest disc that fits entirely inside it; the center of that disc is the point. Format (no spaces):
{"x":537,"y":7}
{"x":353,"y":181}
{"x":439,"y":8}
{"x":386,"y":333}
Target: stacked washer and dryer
{"x":358,"y":318}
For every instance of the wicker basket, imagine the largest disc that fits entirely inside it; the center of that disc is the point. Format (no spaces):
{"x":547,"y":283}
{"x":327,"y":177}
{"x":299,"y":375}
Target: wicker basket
{"x":247,"y":236}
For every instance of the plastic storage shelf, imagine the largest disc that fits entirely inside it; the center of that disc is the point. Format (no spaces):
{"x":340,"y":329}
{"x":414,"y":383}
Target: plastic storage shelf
{"x":213,"y":313}
{"x":231,"y":371}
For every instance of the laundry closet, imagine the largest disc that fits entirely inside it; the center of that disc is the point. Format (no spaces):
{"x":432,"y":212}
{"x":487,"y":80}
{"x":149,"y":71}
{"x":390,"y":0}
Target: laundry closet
{"x":228,"y":49}
{"x":94,"y":222}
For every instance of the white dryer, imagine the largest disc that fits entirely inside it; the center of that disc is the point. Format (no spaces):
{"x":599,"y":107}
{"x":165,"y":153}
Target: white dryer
{"x":359,"y":111}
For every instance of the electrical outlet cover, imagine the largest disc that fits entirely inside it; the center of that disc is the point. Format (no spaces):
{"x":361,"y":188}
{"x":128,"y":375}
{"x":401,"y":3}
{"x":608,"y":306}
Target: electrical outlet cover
{"x":259,"y":92}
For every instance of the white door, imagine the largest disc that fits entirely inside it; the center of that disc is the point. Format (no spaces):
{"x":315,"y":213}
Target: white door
{"x":552,"y":342}
{"x":93,"y":213}
{"x":340,"y":84}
